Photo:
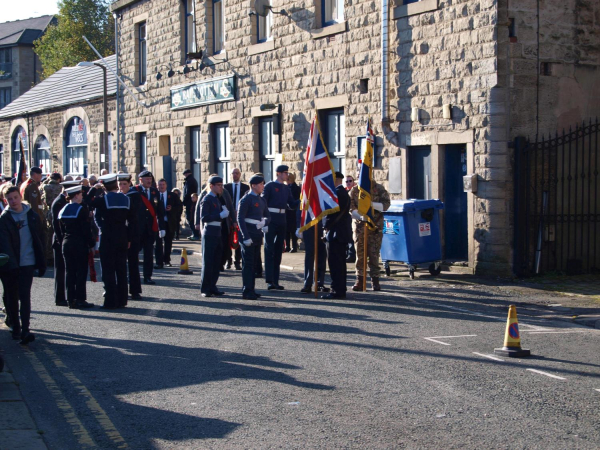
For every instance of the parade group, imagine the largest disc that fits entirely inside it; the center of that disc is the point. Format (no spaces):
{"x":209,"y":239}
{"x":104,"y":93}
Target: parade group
{"x":113,"y":216}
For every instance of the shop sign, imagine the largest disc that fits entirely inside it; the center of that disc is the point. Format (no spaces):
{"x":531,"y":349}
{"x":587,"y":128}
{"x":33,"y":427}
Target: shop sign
{"x":216,"y":90}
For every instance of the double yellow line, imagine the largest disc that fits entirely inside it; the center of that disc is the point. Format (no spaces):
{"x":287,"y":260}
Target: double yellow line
{"x":79,"y":431}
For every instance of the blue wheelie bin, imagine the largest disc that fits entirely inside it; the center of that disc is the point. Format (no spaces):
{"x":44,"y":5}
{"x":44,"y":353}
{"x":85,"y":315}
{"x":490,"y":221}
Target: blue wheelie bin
{"x":411,"y":235}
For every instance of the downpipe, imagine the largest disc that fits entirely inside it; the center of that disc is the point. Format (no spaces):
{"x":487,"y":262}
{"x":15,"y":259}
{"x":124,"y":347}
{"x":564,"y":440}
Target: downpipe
{"x":391,"y":135}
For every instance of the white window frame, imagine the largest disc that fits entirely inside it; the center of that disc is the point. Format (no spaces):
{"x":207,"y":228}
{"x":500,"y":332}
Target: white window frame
{"x":218,"y":16}
{"x":264,"y":27}
{"x":332,"y":11}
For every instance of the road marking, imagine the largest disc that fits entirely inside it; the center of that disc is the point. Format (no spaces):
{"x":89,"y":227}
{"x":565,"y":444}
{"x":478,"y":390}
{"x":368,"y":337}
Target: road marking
{"x":546,"y":373}
{"x":79,"y":431}
{"x":92,"y":404}
{"x":557,"y":332}
{"x":434,"y":338}
{"x":488,"y":356}
{"x":597,"y":390}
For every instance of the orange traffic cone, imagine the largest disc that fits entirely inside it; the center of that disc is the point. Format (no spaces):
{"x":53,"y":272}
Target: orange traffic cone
{"x":183,"y":267}
{"x":512,"y":337}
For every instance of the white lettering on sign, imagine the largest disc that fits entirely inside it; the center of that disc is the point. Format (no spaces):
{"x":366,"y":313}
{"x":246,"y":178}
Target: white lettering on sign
{"x":425,"y":229}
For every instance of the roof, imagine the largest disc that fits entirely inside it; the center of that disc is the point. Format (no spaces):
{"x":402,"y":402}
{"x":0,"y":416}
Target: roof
{"x":68,"y":86}
{"x":23,"y":32}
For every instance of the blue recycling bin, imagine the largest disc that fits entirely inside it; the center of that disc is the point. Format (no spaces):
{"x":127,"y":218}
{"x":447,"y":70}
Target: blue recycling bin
{"x":411,"y":234}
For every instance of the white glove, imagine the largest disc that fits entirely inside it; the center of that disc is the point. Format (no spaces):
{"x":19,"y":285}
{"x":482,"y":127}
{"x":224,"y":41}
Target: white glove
{"x":378,"y":206}
{"x":265,"y":230}
{"x":261,"y":224}
{"x":298,"y":234}
{"x":357,"y":216}
{"x":247,"y":242}
{"x":224,"y":213}
{"x":162,"y":233}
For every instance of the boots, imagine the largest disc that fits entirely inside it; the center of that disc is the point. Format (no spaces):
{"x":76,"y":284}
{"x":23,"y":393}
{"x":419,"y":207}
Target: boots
{"x":359,"y":283}
{"x":375,"y":283}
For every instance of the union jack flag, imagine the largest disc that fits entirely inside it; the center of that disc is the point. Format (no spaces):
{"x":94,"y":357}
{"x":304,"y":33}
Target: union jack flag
{"x":318,"y":197}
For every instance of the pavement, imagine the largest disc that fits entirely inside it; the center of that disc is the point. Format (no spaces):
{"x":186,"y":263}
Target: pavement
{"x":572,"y":301}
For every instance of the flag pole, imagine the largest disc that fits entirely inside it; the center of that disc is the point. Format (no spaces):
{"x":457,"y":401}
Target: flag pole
{"x":315,"y":273}
{"x":366,"y":231}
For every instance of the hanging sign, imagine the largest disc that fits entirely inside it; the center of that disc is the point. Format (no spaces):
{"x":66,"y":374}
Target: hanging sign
{"x":216,"y":90}
{"x":77,"y":133}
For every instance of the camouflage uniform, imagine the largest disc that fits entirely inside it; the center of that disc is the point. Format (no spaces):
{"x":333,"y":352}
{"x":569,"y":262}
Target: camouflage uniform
{"x":380,"y":195}
{"x":50,"y":190}
{"x":32,"y":195}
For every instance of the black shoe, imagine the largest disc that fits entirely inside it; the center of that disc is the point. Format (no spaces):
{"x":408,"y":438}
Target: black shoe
{"x":217,"y":293}
{"x":249,"y":296}
{"x":108,"y":307}
{"x":306,"y":290}
{"x":158,"y":266}
{"x":26,"y":338}
{"x":257,"y":294}
{"x":238,"y":267}
{"x":207,"y":294}
{"x":333,"y":295}
{"x":16,"y":335}
{"x":149,"y":281}
{"x":8,"y":322}
{"x":279,"y":287}
{"x":84,"y":305}
{"x":323,"y":289}
{"x":136,"y":297}
{"x":168,"y":264}
{"x":272,"y":287}
{"x":62,"y":303}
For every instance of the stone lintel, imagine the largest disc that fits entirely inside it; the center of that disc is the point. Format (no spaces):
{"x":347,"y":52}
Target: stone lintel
{"x":415,"y":8}
{"x":329,"y":30}
{"x":261,"y":47}
{"x":337,"y":101}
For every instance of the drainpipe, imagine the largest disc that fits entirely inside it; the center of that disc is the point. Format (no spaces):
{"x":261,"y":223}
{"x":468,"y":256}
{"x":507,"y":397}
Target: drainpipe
{"x":118,"y":142}
{"x":391,"y":135}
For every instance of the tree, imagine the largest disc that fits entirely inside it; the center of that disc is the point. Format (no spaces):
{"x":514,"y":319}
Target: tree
{"x":62,"y":45}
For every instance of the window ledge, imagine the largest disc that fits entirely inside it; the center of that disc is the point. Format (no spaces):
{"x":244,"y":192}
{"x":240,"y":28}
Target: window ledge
{"x":218,"y":58}
{"x":261,"y":47}
{"x":415,"y":8}
{"x":329,"y":30}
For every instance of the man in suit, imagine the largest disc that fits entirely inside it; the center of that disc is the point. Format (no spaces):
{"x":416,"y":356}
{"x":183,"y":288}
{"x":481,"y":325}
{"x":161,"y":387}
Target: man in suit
{"x":171,"y":204}
{"x":338,"y":227}
{"x":152,"y":221}
{"x":237,"y":190}
{"x":190,"y":186}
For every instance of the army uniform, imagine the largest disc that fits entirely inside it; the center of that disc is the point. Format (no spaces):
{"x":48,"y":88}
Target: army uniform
{"x":374,"y":238}
{"x":50,"y":191}
{"x":212,"y":245}
{"x":30,"y":190}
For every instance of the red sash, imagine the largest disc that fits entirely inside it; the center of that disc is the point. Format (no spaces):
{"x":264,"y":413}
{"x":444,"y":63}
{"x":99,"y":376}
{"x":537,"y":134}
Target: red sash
{"x":150,"y":208}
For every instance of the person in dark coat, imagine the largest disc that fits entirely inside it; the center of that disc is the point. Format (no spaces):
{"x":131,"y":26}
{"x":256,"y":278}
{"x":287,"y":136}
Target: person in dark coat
{"x":133,"y":252}
{"x":236,"y":190}
{"x":22,"y":239}
{"x":177,"y":212}
{"x":290,"y":214}
{"x":338,"y":229}
{"x":77,"y":242}
{"x":172,"y":207}
{"x":190,"y":186}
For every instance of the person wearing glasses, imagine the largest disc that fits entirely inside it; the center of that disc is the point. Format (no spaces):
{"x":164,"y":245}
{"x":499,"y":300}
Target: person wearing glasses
{"x":350,"y":183}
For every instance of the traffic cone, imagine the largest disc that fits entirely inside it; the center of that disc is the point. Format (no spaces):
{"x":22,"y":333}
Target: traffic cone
{"x":512,"y":338}
{"x":183,"y":267}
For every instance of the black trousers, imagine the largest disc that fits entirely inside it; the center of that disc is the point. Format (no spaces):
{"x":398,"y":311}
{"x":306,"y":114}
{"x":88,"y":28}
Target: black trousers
{"x":59,"y":275}
{"x":226,"y":255}
{"x":17,"y":288}
{"x":163,"y":249}
{"x":113,"y":259}
{"x":191,"y":218}
{"x":133,"y":265}
{"x":75,"y":252}
{"x":273,"y":250}
{"x":336,"y":253}
{"x":147,"y":245}
{"x":212,"y":248}
{"x":258,"y":269}
{"x":309,"y":258}
{"x":248,"y":269}
{"x":291,"y":235}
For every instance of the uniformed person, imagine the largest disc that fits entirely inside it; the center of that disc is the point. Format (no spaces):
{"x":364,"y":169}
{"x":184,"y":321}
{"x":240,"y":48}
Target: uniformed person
{"x":380,"y":199}
{"x":58,"y":204}
{"x":133,"y":253}
{"x":152,"y":221}
{"x":113,"y":213}
{"x":338,"y":228}
{"x":212,"y":214}
{"x":279,"y":198}
{"x":252,"y":216}
{"x":308,"y":236}
{"x":50,"y":189}
{"x":77,"y":242}
{"x":30,"y":191}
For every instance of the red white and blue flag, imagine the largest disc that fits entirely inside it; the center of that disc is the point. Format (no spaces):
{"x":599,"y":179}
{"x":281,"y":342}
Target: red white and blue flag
{"x":318,"y":197}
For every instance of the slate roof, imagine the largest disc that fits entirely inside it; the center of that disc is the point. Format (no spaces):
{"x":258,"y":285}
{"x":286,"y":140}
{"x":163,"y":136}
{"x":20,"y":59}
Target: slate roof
{"x":68,"y":86}
{"x":23,"y":32}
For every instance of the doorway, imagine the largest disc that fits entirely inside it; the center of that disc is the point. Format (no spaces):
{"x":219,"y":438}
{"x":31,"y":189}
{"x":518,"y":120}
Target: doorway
{"x":455,"y":203}
{"x":419,"y":164}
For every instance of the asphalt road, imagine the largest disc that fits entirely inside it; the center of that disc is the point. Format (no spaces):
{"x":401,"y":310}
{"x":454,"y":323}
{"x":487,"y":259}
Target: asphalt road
{"x":410,"y":367}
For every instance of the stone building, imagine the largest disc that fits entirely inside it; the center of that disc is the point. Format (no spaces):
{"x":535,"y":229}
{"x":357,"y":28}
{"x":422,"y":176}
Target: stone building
{"x":60,"y":122}
{"x":20,"y":67}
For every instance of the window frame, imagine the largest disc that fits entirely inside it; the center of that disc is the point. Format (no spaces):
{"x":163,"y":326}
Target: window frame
{"x":196,"y":152}
{"x":217,"y":49}
{"x":142,"y":53}
{"x":6,"y":63}
{"x":221,"y":163}
{"x":267,"y":158}
{"x":36,"y":154}
{"x":339,"y":4}
{"x":16,"y":152}
{"x":337,"y":156}
{"x":143,"y":150}
{"x":268,"y":27}
{"x":190,"y":38}
{"x":3,"y":96}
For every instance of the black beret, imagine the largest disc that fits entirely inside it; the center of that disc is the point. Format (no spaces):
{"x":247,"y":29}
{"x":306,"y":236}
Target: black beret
{"x":55,"y":176}
{"x":257,"y":179}
{"x":215,"y":179}
{"x":339,"y":175}
{"x":282,"y":168}
{"x":35,"y":170}
{"x":186,"y":171}
{"x":145,"y":173}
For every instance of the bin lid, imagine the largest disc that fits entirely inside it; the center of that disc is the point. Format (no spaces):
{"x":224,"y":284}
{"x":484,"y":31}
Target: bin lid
{"x":413,"y":204}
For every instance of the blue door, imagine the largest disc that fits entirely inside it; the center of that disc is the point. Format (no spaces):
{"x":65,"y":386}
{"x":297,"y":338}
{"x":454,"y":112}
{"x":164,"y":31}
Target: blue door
{"x":455,"y":204}
{"x":419,"y":173}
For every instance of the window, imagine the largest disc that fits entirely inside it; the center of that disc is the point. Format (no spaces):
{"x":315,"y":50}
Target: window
{"x":263,"y":27}
{"x":1,"y":159}
{"x":42,"y":154}
{"x":333,"y":128}
{"x":218,"y":27}
{"x":265,"y":144}
{"x":5,"y":64}
{"x":190,"y":27}
{"x":5,"y":97}
{"x":19,"y":135}
{"x":406,"y":2}
{"x":76,"y":147}
{"x":221,"y":150}
{"x":143,"y":147}
{"x":332,"y":11}
{"x":195,"y":153}
{"x":142,"y":57}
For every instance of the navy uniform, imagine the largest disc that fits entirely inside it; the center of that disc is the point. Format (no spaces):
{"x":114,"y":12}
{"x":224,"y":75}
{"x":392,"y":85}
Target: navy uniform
{"x":151,"y":223}
{"x":252,"y":211}
{"x":77,"y":241}
{"x":279,"y":198}
{"x":339,"y":234}
{"x":133,"y":253}
{"x":211,"y":215}
{"x":113,"y":213}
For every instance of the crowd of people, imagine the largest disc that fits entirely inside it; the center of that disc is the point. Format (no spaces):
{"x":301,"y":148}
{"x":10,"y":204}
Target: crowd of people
{"x":118,"y":219}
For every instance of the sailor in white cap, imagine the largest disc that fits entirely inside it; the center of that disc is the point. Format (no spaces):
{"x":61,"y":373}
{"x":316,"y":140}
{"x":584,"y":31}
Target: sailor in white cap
{"x":133,"y":254}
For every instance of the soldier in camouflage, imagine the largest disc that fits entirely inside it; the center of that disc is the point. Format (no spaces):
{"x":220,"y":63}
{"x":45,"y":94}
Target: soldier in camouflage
{"x":380,"y":199}
{"x":51,"y":188}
